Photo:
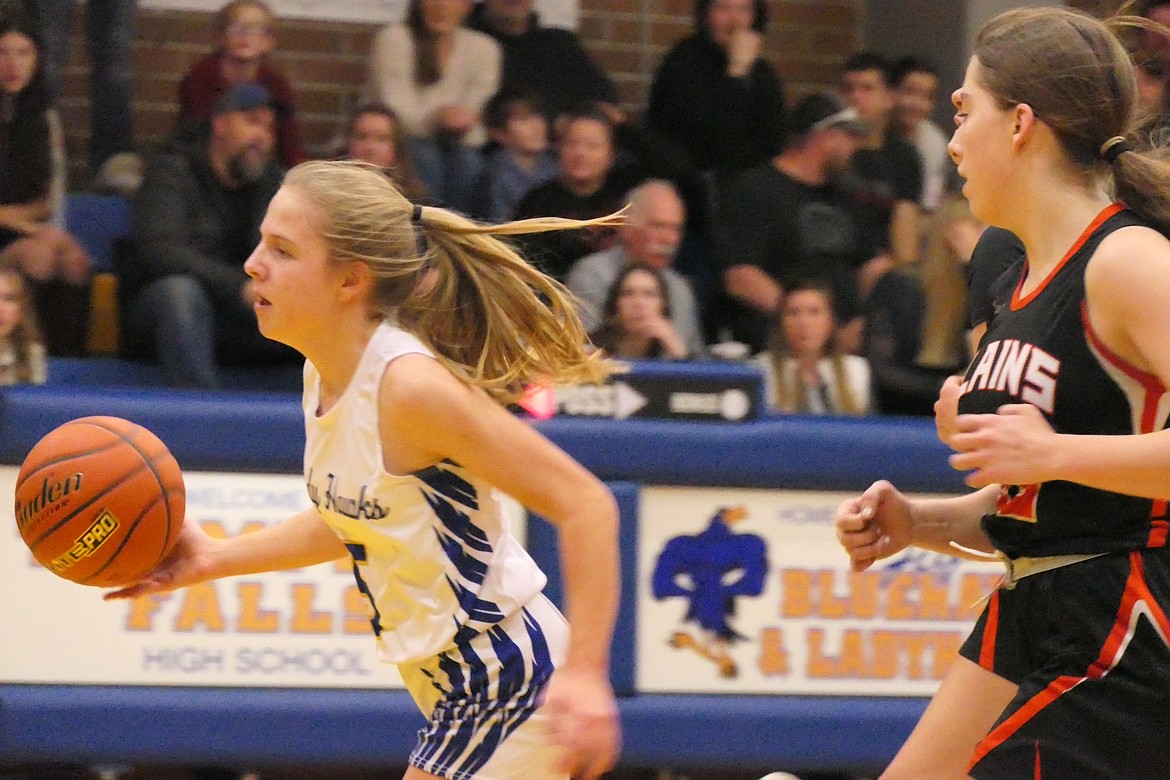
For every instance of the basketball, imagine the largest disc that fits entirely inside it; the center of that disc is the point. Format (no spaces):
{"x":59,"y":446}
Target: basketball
{"x":100,"y":501}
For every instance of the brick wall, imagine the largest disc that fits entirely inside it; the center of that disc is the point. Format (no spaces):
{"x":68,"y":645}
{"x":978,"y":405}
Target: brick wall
{"x":806,"y":39}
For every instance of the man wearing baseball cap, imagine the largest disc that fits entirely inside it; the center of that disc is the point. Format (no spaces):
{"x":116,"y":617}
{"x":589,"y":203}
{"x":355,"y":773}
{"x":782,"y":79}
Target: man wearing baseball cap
{"x":787,"y":220}
{"x":196,"y":220}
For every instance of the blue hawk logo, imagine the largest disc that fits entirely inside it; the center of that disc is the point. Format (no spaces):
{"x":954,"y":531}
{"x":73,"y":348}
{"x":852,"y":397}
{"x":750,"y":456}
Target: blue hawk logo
{"x":711,"y":569}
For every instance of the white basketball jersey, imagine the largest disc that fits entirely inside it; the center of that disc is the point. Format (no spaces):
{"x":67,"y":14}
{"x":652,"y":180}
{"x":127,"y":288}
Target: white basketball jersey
{"x":432,"y":550}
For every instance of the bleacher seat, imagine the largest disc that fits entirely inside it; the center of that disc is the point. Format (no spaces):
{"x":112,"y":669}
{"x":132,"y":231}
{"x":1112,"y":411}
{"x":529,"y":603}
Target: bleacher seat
{"x":100,"y":223}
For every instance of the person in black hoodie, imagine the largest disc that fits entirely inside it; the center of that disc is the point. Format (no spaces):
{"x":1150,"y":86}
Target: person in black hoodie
{"x":716,"y":106}
{"x":549,"y":61}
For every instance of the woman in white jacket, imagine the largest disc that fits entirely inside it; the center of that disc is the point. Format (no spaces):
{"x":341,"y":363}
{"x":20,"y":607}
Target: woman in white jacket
{"x":437,"y":75}
{"x":804,"y":371}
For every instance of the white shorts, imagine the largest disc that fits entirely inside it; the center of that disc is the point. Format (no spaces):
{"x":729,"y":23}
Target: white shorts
{"x":482,"y":699}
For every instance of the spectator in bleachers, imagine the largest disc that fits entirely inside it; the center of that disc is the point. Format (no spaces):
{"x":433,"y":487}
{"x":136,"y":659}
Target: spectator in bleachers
{"x":437,"y":75}
{"x":650,"y":236}
{"x":789,"y":219}
{"x":56,"y":265}
{"x":804,"y":369}
{"x":196,"y":220}
{"x":1154,"y":41}
{"x":589,"y":184}
{"x":636,"y":323}
{"x":886,"y":174}
{"x":519,"y":158}
{"x":22,"y":355}
{"x":915,"y":328}
{"x":245,"y":39}
{"x":916,"y":86}
{"x":373,"y":134}
{"x":109,"y":35}
{"x":716,"y":105}
{"x":546,"y":60}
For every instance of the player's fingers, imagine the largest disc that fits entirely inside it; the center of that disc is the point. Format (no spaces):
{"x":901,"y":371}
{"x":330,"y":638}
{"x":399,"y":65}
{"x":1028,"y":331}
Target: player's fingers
{"x":1017,"y":410}
{"x":131,"y":592}
{"x":858,"y":565}
{"x":974,"y":440}
{"x":871,"y":551}
{"x":968,"y":460}
{"x":853,"y":537}
{"x":970,"y":423}
{"x":853,"y":521}
{"x":980,"y":478}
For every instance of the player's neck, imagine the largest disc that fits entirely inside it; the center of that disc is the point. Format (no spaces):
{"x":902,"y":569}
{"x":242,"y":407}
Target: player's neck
{"x":1051,"y":224}
{"x":337,"y":356}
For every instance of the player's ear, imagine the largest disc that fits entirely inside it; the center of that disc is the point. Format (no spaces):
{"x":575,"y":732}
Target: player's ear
{"x":356,"y":281}
{"x":1024,"y":124}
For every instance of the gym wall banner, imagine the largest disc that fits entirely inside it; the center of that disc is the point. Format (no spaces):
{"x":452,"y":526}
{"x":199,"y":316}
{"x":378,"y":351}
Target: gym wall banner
{"x":554,"y":13}
{"x":304,"y":628}
{"x":748,"y":591}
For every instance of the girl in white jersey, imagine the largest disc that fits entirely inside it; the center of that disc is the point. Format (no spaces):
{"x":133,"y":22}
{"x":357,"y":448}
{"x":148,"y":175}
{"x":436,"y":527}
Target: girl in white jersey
{"x":415,"y":324}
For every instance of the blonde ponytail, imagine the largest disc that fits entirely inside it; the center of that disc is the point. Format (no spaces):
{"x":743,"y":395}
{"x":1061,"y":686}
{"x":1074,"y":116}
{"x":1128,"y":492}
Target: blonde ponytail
{"x":491,"y":318}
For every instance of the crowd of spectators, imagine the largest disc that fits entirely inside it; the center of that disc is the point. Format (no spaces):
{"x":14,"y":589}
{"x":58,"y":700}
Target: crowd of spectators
{"x":824,"y":234}
{"x":751,"y":221}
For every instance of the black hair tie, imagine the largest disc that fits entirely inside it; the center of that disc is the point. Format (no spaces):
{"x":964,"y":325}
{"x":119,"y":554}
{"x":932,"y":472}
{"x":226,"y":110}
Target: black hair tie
{"x":1113,"y":148}
{"x":416,"y":213}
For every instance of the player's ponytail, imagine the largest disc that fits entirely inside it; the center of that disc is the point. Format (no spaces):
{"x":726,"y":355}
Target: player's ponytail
{"x":490,"y":317}
{"x":1142,"y":182}
{"x":496,"y":319}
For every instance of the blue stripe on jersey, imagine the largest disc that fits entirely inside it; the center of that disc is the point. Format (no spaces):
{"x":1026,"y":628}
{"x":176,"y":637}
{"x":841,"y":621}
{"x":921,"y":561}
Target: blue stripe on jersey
{"x":513,"y":678}
{"x":450,"y":485}
{"x":520,"y":686}
{"x":542,"y":664}
{"x":477,"y":609}
{"x":458,"y":523}
{"x":471,"y":709}
{"x":513,"y":666}
{"x":461,"y":540}
{"x":471,"y":720}
{"x":469,"y":567}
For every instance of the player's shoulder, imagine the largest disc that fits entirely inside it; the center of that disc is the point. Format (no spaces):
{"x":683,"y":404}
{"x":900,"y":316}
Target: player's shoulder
{"x":1130,"y":267}
{"x":413,"y":379}
{"x":1131,"y":249}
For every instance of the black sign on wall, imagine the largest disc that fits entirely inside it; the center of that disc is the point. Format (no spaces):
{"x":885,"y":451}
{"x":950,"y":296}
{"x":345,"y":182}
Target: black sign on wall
{"x":712,"y":396}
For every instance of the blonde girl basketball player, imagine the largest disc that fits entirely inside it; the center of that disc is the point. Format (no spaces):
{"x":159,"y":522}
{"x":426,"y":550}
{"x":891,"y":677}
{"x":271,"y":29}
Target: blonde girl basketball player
{"x":1060,"y":422}
{"x":415,"y":323}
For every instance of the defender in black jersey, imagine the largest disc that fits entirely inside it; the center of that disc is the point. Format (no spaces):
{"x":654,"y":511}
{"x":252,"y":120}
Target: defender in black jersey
{"x":1059,"y":421}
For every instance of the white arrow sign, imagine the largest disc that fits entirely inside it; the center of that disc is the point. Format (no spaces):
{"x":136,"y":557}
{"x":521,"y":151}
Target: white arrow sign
{"x":627,"y":400}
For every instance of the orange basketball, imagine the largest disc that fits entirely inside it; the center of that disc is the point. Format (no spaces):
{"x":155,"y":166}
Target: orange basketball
{"x":100,"y":501}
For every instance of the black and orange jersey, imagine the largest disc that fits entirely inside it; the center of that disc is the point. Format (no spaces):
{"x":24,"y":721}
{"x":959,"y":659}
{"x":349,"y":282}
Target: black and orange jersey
{"x":1041,"y":349}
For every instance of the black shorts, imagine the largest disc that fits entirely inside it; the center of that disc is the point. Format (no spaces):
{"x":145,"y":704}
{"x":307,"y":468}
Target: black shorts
{"x":1087,"y":644}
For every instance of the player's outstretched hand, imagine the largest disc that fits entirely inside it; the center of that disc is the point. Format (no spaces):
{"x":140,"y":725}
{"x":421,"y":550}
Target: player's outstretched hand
{"x":187,"y":564}
{"x":583,"y":720}
{"x":875,"y":525}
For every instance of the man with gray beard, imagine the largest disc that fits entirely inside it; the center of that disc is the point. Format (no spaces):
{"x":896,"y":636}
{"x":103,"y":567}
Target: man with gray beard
{"x":196,"y":220}
{"x":650,"y":236}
